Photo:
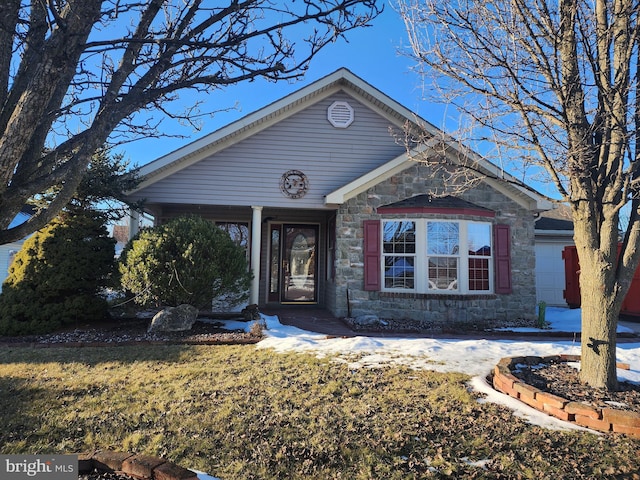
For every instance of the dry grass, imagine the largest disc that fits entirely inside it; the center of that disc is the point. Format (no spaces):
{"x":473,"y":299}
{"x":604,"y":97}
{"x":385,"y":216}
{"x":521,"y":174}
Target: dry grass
{"x":242,"y":413}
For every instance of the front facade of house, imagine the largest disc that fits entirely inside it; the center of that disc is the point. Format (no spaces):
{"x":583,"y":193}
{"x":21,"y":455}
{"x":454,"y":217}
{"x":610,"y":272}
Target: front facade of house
{"x":334,"y":213}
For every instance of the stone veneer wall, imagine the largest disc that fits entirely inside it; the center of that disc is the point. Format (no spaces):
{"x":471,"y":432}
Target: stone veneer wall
{"x":433,"y":309}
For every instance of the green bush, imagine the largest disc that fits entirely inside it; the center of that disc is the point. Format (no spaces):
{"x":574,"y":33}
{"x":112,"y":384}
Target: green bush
{"x":187,"y":260}
{"x":56,"y":277}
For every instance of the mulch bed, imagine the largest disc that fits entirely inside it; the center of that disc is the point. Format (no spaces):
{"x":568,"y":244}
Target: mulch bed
{"x":562,"y":379}
{"x":132,"y":331}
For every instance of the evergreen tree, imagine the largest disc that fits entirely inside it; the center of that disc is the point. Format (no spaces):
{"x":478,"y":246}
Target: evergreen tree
{"x":55,"y":278}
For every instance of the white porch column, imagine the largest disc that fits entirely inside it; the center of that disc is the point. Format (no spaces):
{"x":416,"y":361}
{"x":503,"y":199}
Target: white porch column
{"x":256,"y":241}
{"x":134,"y":223}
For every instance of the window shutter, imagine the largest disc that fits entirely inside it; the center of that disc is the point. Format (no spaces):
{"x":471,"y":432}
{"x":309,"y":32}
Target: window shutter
{"x":502,"y":238}
{"x":372,"y":255}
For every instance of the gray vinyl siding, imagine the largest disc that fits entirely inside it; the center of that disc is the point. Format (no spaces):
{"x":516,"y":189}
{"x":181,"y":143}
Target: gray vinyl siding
{"x":6,"y":254}
{"x":249,"y":172}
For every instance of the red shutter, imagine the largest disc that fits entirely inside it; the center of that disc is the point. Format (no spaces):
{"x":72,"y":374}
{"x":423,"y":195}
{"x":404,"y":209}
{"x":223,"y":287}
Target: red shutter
{"x":502,"y":239}
{"x":371,"y":254}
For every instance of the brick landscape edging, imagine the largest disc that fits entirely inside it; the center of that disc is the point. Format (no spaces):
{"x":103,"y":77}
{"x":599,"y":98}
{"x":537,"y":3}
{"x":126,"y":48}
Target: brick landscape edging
{"x":144,"y":467}
{"x":601,"y":419}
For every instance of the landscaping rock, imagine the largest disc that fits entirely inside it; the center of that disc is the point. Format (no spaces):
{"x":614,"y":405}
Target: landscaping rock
{"x":369,"y":321}
{"x":251,"y":312}
{"x":174,"y":319}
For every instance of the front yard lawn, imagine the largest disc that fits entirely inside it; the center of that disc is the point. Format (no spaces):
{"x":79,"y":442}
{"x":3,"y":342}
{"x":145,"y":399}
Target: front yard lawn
{"x":238,"y":412}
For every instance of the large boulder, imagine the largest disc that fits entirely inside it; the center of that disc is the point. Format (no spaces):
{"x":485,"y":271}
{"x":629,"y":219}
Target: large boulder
{"x":174,"y":319}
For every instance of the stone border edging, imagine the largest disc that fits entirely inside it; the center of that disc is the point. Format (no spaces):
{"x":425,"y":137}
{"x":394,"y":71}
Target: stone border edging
{"x":144,"y":467}
{"x":601,"y":419}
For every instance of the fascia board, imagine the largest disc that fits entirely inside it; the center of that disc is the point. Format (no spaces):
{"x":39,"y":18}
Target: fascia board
{"x":386,"y":106}
{"x":341,"y":79}
{"x":522,"y":196}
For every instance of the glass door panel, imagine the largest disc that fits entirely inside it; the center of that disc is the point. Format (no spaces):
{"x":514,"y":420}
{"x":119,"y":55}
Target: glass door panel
{"x":299,"y":264}
{"x":275,"y":262}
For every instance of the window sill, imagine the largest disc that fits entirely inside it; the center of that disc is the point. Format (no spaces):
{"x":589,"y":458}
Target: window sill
{"x":440,"y":296}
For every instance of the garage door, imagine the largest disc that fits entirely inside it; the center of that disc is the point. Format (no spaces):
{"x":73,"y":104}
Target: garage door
{"x":550,"y":273}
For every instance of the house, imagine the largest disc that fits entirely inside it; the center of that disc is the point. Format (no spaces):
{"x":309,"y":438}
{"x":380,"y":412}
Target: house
{"x":121,"y":234}
{"x":9,"y":250}
{"x":335,"y":213}
{"x":553,"y":232}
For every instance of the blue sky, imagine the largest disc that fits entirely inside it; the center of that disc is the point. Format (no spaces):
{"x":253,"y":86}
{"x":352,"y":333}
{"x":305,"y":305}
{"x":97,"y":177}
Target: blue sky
{"x":378,"y":54}
{"x":371,"y":53}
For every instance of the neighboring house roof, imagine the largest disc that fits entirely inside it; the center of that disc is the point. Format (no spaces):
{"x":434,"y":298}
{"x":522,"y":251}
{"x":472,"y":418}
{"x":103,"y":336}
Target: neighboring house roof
{"x":340,"y":80}
{"x":556,"y":224}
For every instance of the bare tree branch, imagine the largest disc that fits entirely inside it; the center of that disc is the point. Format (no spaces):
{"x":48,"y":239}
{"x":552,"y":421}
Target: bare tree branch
{"x":79,"y":74}
{"x":558,"y":78}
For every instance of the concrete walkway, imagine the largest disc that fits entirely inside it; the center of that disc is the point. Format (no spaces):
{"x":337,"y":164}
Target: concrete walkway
{"x":312,"y":319}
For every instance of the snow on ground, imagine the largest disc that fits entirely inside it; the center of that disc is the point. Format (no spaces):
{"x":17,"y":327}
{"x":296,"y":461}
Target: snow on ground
{"x":475,"y":357}
{"x":563,"y":320}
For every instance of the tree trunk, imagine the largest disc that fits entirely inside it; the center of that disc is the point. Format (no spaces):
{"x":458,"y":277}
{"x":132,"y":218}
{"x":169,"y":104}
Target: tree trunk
{"x":601,"y":298}
{"x":599,"y":324}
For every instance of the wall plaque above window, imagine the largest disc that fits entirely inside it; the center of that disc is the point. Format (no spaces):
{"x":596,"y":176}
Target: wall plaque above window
{"x":294,"y":184}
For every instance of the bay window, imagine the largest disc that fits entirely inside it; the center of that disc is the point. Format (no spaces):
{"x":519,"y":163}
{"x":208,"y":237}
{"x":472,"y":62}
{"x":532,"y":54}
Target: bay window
{"x":437,"y":256}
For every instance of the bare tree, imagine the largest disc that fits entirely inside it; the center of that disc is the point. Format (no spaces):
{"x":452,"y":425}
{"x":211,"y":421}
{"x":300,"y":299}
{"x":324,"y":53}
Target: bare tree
{"x":557,"y":81}
{"x":75,"y":75}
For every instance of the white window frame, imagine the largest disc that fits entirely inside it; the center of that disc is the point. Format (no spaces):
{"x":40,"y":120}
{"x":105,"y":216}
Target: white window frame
{"x":400,"y":255}
{"x":421,"y":282}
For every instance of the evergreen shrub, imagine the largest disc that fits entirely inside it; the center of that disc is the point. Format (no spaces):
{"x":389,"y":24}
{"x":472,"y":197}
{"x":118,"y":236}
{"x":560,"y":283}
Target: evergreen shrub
{"x":186,"y":260}
{"x":56,"y":277}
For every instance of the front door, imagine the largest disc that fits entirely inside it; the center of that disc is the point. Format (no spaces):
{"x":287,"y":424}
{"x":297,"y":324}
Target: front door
{"x":294,"y":262}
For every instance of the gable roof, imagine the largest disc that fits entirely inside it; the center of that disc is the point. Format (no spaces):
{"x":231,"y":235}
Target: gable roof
{"x":340,"y":80}
{"x":497,"y":179}
{"x":259,"y":120}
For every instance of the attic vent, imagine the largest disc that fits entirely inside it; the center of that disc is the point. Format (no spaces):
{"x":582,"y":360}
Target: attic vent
{"x":340,"y":114}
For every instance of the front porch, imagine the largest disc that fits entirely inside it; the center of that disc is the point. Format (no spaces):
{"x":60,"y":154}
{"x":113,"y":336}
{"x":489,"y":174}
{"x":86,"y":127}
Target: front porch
{"x":290,"y":257}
